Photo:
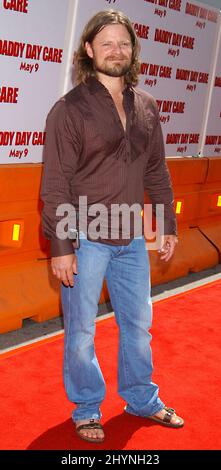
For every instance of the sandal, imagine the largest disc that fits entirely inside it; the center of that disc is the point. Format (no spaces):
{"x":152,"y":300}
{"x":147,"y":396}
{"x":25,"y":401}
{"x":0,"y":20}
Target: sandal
{"x":90,"y":425}
{"x":166,"y":420}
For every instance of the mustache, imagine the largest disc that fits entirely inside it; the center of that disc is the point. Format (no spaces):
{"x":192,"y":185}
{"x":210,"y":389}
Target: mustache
{"x":115,"y":58}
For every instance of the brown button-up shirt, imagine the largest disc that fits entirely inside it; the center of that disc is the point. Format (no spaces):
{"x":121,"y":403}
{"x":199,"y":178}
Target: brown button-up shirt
{"x":88,"y":153}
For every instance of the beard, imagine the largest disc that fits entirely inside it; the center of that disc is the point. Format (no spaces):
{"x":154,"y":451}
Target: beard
{"x":113,"y":66}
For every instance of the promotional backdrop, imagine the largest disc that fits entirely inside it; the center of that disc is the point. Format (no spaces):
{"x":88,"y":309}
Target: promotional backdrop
{"x":177,"y":43}
{"x":212,"y":146}
{"x":177,"y":40}
{"x":31,"y":54}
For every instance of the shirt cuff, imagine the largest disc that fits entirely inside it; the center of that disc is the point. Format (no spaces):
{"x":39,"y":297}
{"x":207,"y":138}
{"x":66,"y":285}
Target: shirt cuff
{"x":170,"y":227}
{"x":61,"y":247}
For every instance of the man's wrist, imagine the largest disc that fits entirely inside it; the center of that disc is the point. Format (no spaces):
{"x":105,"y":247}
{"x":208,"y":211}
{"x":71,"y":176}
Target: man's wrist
{"x":61,"y":247}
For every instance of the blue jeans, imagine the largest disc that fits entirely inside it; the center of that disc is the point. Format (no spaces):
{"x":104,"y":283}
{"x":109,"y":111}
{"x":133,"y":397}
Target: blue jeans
{"x":126,"y":269}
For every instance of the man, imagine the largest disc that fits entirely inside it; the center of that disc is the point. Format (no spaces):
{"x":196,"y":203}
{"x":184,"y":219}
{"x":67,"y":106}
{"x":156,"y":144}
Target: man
{"x":104,"y":141}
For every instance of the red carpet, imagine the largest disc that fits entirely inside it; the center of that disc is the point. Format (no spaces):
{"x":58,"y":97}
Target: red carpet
{"x":35,"y":413}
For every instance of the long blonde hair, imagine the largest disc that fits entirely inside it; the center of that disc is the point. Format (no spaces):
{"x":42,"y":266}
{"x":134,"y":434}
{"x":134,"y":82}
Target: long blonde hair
{"x":84,"y":64}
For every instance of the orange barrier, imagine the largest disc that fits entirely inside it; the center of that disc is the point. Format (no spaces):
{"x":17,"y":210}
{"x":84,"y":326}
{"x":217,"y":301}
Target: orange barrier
{"x":21,"y":245}
{"x":20,"y":235}
{"x":27,"y":288}
{"x":209,"y":213}
{"x":193,"y":252}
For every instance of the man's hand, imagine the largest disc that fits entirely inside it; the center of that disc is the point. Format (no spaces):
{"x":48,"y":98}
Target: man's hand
{"x":167,"y":247}
{"x":63,"y":268}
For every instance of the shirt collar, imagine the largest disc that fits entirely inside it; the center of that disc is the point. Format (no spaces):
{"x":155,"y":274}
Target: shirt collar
{"x":95,"y":86}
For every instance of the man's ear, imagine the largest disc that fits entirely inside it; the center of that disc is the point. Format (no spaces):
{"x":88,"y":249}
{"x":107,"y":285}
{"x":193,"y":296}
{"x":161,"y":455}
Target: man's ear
{"x":89,"y":50}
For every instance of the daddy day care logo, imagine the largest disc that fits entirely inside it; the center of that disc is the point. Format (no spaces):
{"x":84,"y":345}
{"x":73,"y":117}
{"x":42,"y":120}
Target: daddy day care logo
{"x":27,"y":51}
{"x":20,"y":6}
{"x":20,"y":139}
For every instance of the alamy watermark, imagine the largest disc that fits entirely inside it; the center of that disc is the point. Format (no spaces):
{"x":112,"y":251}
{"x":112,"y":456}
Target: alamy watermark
{"x":115,"y":222}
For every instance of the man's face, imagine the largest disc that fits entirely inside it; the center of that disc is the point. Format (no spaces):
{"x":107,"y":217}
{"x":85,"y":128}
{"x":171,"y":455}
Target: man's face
{"x":111,"y":50}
